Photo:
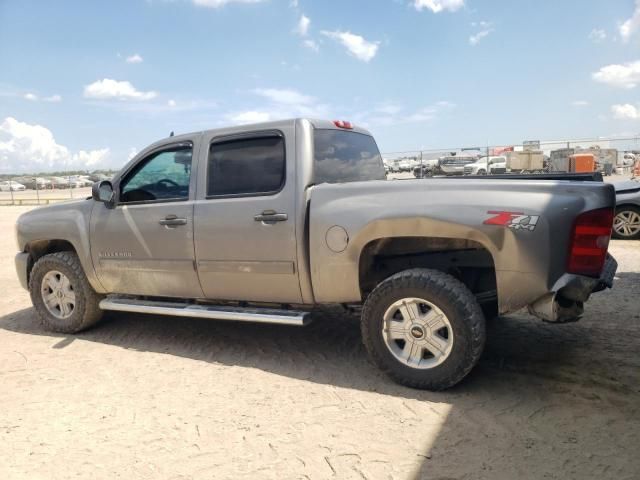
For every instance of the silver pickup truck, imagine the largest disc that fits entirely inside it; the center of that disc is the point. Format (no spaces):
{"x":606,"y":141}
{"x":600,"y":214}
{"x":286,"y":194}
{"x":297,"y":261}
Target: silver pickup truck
{"x":265,"y":222}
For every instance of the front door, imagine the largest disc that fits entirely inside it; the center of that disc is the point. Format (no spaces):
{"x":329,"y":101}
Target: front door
{"x":144,"y":245}
{"x":245,"y":235}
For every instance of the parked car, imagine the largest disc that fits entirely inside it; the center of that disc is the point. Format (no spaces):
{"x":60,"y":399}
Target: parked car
{"x":11,"y":186}
{"x":405,"y":165}
{"x":425,"y":169}
{"x":453,"y":164}
{"x":485,"y":165}
{"x":96,"y":177}
{"x":626,"y":224}
{"x":59,"y":182}
{"x":34,"y":182}
{"x":264,"y":222}
{"x":66,"y":182}
{"x":80,"y":181}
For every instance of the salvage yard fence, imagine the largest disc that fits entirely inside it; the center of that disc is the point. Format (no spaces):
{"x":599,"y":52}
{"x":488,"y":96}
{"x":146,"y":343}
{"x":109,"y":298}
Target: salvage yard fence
{"x":619,"y":153}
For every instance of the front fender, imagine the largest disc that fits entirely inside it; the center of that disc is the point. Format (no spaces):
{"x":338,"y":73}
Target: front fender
{"x":68,"y":222}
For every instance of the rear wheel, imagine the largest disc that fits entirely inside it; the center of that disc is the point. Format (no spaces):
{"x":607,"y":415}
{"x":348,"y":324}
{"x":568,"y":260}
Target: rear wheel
{"x":423,"y":328}
{"x":62,"y":295}
{"x":626,"y":223}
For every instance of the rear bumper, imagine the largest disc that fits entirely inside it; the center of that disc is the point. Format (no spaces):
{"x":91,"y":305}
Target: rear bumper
{"x":564,"y":303}
{"x":22,"y":262}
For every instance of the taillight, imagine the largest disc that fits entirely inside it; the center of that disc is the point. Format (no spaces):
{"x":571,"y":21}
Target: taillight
{"x":343,"y":124}
{"x":589,"y":242}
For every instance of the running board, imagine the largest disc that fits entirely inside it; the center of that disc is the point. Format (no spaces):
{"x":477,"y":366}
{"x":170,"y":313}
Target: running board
{"x":214,"y":312}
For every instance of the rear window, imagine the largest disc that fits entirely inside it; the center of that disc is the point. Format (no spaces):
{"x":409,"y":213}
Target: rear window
{"x":251,"y":166}
{"x":341,"y":156}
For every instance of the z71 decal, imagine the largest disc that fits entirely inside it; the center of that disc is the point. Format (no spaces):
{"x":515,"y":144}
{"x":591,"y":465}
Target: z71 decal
{"x":514,"y":220}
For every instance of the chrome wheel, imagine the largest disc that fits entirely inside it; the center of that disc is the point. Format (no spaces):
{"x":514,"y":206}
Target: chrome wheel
{"x":417,"y":333}
{"x":57,"y":294}
{"x":626,"y":223}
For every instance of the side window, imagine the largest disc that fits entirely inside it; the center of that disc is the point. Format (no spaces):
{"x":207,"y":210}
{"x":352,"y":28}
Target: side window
{"x":250,"y":166}
{"x":162,"y":176}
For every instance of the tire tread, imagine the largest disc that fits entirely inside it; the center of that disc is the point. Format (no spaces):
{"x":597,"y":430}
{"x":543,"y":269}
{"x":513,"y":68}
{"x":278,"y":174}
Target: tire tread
{"x":438,"y":283}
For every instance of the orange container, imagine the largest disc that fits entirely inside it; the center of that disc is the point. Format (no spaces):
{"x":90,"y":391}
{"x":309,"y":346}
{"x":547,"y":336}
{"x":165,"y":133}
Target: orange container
{"x":582,"y":162}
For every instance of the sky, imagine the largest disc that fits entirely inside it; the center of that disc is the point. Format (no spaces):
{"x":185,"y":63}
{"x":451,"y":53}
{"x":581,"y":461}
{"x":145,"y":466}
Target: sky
{"x":87,"y":84}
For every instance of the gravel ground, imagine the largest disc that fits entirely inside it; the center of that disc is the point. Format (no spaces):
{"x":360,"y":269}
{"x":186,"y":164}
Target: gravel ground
{"x":149,"y":397}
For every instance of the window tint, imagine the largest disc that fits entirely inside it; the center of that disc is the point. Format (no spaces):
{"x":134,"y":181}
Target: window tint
{"x":341,"y":156}
{"x":162,"y":176}
{"x":246,"y":166}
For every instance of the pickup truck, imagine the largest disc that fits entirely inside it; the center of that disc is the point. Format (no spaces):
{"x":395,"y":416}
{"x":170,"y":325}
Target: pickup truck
{"x":265,"y":222}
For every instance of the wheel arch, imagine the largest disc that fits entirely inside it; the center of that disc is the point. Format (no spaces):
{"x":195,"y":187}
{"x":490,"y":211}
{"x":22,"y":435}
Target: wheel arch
{"x":39,"y":248}
{"x":466,"y":260}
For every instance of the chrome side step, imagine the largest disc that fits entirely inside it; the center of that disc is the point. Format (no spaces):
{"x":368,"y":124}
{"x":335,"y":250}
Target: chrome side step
{"x":215,"y":312}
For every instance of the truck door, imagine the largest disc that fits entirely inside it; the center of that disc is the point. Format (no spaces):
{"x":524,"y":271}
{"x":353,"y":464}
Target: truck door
{"x":144,"y":245}
{"x":245,"y":233}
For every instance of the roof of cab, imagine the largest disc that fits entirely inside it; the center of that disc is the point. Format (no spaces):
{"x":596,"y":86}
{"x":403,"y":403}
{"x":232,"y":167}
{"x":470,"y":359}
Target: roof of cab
{"x":272,"y":125}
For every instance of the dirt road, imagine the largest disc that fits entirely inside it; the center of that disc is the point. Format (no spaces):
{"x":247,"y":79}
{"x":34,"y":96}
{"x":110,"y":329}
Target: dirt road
{"x":168,"y":398}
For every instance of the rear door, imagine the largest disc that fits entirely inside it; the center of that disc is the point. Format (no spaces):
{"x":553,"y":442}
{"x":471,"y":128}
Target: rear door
{"x":245,"y":235}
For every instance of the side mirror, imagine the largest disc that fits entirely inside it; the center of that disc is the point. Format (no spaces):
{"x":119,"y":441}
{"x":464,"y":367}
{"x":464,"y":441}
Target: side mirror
{"x":102,"y":191}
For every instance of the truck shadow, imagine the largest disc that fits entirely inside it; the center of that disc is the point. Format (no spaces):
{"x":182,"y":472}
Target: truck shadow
{"x":538,"y":387}
{"x":329,"y":350}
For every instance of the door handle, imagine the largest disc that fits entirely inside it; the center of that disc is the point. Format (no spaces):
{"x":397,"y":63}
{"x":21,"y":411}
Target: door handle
{"x":271,"y":216}
{"x":172,"y":221}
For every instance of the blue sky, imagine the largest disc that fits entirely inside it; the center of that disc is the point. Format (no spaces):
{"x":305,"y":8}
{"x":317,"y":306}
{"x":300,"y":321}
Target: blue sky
{"x":86,"y":83}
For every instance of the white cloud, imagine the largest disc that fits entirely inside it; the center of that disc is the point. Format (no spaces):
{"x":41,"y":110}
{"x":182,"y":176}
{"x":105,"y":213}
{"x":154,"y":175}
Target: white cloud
{"x":311,"y":45}
{"x":32,"y":148}
{"x":356,"y":45}
{"x":113,"y":89}
{"x":293,"y":3}
{"x":303,"y":25}
{"x":481,"y":24}
{"x":284,"y":96}
{"x":135,"y":58}
{"x":395,"y":114}
{"x":632,"y":25}
{"x":626,"y":75}
{"x":32,"y":97}
{"x":171,"y":103}
{"x":280,"y":103}
{"x":437,"y":6}
{"x":133,"y":151}
{"x":626,"y":111}
{"x":221,"y":3}
{"x":597,"y":35}
{"x":580,"y":103}
{"x":251,"y":116}
{"x":475,"y":39}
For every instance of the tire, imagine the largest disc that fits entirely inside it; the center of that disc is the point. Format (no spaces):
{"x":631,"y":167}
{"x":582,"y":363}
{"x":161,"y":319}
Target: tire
{"x":450,"y":297}
{"x":482,"y":171}
{"x":84,"y":311}
{"x":630,"y":231}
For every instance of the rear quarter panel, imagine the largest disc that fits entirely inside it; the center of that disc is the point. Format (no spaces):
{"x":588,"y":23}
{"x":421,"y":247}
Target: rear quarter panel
{"x":527,"y":263}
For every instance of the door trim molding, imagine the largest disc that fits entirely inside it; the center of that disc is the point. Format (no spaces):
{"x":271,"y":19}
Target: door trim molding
{"x":240,"y":266}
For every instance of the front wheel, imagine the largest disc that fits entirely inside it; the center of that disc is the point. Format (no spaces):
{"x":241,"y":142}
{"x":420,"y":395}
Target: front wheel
{"x":423,"y":328}
{"x":62,"y":295}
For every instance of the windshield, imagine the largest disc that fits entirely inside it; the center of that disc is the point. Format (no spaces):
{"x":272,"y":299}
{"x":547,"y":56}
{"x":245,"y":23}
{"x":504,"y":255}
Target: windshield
{"x":341,"y":156}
